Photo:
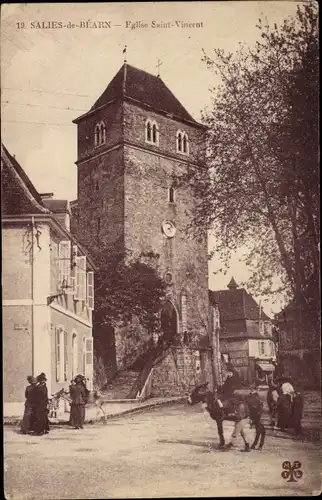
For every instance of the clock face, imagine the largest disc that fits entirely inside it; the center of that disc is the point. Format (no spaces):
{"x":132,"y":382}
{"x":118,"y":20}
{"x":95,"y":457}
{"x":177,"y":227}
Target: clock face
{"x":168,"y":228}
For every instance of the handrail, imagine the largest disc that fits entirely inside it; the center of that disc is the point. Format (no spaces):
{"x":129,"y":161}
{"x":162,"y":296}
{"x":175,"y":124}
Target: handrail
{"x":153,"y":355}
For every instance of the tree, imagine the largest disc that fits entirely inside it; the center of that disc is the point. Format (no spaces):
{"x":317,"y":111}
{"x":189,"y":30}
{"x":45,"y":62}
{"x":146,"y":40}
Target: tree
{"x":259,"y":182}
{"x":128,"y":296}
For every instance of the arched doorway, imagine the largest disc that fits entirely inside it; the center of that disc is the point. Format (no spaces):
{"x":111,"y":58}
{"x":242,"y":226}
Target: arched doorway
{"x":169,"y":321}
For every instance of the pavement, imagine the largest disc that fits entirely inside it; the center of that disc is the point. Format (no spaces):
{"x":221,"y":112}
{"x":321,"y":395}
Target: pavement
{"x":164,"y":452}
{"x":110,"y":409}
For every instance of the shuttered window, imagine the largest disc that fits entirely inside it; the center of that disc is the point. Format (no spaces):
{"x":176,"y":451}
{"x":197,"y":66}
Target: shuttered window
{"x":65,"y":355}
{"x":80,"y":285}
{"x":90,"y":290}
{"x":57,"y":349}
{"x":88,"y":359}
{"x":64,"y":260}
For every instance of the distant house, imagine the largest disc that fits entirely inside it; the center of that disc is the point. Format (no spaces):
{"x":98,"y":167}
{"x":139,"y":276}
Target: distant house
{"x":246,"y":335}
{"x":299,"y":352}
{"x":47,"y":286}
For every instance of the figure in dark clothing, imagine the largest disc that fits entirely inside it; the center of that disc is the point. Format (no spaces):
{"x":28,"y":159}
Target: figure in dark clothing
{"x":226,"y":391}
{"x":72,"y":383}
{"x":272,"y":401}
{"x":278,"y":372}
{"x":78,"y":396}
{"x":255,"y":406}
{"x":41,"y":406}
{"x":28,"y":420}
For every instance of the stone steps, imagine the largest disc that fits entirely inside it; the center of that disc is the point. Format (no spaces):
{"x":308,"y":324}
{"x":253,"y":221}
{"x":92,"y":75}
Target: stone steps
{"x":120,"y":387}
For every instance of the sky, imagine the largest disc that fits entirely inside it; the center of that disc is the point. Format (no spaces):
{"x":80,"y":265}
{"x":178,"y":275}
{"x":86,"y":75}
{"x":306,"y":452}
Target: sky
{"x":51,"y":75}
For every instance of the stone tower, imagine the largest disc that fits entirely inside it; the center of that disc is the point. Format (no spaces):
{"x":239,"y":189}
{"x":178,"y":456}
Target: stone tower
{"x":135,"y":136}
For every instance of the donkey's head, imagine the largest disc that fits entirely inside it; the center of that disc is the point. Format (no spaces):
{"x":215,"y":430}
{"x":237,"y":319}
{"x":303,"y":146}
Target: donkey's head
{"x":199,"y":394}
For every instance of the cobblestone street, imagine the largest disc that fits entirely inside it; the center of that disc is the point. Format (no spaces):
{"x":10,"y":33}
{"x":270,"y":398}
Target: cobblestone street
{"x":162,"y":452}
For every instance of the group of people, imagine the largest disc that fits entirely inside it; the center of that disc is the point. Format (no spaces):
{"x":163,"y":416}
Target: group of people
{"x":35,"y":419}
{"x":278,"y":387}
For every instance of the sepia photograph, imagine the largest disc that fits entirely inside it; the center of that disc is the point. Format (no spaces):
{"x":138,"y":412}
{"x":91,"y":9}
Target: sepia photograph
{"x":160,"y":208}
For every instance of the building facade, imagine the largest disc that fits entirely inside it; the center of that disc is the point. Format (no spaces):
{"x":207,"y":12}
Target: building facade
{"x":245,"y":333}
{"x":48,"y":290}
{"x":130,"y":143}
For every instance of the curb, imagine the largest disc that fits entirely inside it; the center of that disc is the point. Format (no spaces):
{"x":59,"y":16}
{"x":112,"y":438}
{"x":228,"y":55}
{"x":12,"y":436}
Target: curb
{"x":139,"y":409}
{"x":14,"y":421}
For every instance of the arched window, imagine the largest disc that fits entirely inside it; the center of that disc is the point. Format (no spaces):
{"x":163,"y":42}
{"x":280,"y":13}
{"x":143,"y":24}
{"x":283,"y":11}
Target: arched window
{"x":179,"y":141}
{"x":103,"y":133}
{"x":154,"y":133}
{"x":171,"y":195}
{"x":151,"y":132}
{"x":100,"y":134}
{"x":185,"y":143}
{"x":182,"y":142}
{"x":97,"y":135}
{"x":148,"y":132}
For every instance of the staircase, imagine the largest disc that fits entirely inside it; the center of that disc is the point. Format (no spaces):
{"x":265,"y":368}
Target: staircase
{"x":129,"y":383}
{"x":121,"y":385}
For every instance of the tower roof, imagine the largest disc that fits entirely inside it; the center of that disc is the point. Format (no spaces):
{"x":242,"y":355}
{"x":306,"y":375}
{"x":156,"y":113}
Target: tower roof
{"x":232,"y":284}
{"x":138,"y":85}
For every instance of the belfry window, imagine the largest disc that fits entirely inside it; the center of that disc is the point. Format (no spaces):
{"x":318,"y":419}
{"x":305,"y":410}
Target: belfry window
{"x":182,"y":142}
{"x":148,"y":132}
{"x":100,"y":134}
{"x":154,"y":133}
{"x":151,"y":132}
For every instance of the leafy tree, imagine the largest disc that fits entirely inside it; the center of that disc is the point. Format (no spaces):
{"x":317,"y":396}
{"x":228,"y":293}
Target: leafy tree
{"x":127,"y":286}
{"x":259,"y":182}
{"x":128,"y":296}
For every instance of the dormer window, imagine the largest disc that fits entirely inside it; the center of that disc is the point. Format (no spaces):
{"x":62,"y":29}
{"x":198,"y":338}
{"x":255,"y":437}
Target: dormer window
{"x":100,"y":134}
{"x":182,"y":142}
{"x":152,"y":132}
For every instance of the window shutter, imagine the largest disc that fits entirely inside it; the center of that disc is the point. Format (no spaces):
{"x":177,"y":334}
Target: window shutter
{"x":73,"y":269}
{"x":90,"y":290}
{"x":65,"y":355}
{"x":57,"y":345}
{"x":88,"y":360}
{"x":64,"y":255}
{"x":80,"y":285}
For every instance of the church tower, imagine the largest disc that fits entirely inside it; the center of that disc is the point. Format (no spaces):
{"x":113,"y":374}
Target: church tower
{"x":130,"y":143}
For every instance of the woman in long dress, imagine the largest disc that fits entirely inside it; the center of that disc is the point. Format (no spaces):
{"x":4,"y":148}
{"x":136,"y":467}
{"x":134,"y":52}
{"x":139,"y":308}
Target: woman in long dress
{"x":41,"y":404}
{"x":27,"y":423}
{"x":78,"y":397}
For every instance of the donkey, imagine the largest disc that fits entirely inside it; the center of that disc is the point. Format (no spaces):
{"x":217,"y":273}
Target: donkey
{"x":243,"y":407}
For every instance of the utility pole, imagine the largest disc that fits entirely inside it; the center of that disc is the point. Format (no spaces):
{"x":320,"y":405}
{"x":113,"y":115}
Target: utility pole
{"x":32,"y":298}
{"x":215,"y":346}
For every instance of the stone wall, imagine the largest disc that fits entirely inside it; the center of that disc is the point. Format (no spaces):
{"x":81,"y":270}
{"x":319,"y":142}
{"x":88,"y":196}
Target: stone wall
{"x":178,"y":373}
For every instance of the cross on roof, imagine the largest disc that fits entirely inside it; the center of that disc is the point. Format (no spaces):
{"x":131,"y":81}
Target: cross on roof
{"x":158,"y":66}
{"x":124,"y":52}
